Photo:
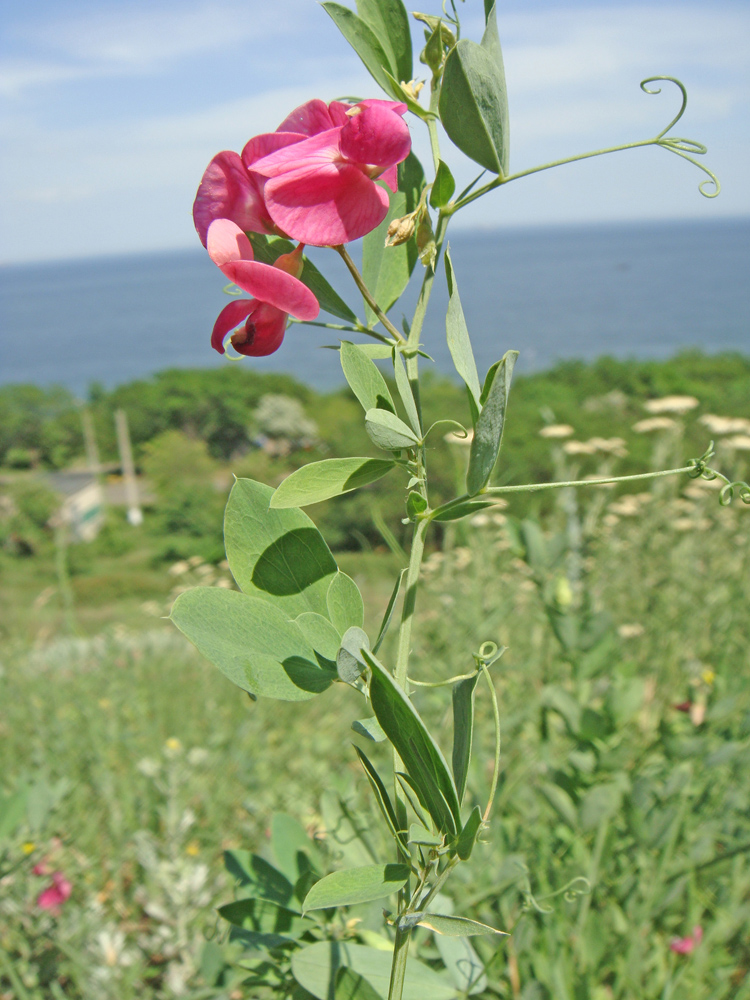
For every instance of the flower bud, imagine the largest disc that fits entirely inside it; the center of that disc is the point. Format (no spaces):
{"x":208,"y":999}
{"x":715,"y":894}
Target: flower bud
{"x":401,"y":230}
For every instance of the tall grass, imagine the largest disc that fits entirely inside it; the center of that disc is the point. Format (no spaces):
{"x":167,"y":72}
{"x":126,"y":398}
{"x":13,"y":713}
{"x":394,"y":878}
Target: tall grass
{"x":622,"y":823}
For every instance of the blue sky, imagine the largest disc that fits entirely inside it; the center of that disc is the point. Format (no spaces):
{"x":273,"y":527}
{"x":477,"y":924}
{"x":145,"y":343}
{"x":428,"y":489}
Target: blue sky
{"x":111,"y":109}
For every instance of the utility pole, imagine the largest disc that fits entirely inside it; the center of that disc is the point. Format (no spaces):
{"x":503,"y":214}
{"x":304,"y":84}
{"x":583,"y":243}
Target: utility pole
{"x":89,"y":438}
{"x":135,"y":514}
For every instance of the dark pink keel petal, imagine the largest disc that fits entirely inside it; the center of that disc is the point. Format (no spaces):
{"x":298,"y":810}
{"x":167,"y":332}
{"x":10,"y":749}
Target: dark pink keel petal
{"x":227,"y":191}
{"x":309,"y":118}
{"x":225,"y":242}
{"x":262,"y":333}
{"x":376,"y":134}
{"x":230,"y":317}
{"x":327,"y":205}
{"x":274,"y":286}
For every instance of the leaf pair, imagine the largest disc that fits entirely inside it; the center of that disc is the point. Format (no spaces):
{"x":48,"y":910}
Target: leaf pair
{"x":279,"y":637}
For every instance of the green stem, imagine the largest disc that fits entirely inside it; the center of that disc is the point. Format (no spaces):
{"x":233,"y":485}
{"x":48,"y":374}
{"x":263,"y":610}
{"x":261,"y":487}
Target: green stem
{"x":341,"y":326}
{"x":496,"y":713}
{"x":438,"y":885}
{"x":498,"y":181}
{"x":398,"y":968}
{"x":491,"y":491}
{"x":366,"y":294}
{"x":535,"y":487}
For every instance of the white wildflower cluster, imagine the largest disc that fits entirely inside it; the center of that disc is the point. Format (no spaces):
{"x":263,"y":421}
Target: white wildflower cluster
{"x":556,"y":432}
{"x":597,"y":445}
{"x":671,"y":404}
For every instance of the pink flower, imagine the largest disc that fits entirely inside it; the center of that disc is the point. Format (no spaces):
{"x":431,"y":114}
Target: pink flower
{"x":56,"y":894}
{"x":277,"y":290}
{"x":314,"y":178}
{"x":322,"y":190}
{"x":684,"y":946}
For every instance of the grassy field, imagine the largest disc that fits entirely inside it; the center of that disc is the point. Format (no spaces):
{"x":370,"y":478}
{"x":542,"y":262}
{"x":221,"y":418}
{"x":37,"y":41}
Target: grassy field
{"x":623,"y":820}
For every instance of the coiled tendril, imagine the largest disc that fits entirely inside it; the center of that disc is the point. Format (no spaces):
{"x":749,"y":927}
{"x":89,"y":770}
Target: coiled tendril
{"x":679,"y":146}
{"x":701,"y":470}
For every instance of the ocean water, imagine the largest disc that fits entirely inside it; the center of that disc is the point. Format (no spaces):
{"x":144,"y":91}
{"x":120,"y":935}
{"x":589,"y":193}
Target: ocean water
{"x":639,"y":290}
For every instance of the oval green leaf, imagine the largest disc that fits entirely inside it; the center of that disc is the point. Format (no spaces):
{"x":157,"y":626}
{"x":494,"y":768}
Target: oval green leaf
{"x":389,"y":22}
{"x":388,"y":431}
{"x":251,"y":642}
{"x":363,"y":40}
{"x":279,"y":556}
{"x":421,"y":756}
{"x":488,"y":433}
{"x":443,"y":186}
{"x":463,"y":730}
{"x":364,"y":378}
{"x":345,"y":606}
{"x":316,"y":969}
{"x":386,"y":270}
{"x":330,"y":478}
{"x":356,"y":885}
{"x":474,"y":102}
{"x":456,"y":926}
{"x":459,"y":343}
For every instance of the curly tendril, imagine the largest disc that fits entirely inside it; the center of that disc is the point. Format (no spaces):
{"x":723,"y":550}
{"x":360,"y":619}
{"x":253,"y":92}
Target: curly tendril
{"x":700,"y":469}
{"x":679,"y":146}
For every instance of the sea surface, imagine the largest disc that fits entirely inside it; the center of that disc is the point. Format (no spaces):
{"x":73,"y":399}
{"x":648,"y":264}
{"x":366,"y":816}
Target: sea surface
{"x":638,"y":290}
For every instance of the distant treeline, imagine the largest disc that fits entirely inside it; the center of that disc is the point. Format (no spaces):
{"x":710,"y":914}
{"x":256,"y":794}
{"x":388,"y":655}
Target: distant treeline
{"x":189,"y":425}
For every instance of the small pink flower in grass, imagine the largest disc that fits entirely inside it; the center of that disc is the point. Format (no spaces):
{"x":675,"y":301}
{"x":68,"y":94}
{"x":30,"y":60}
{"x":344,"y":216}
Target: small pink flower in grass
{"x":277,"y":290}
{"x":686,"y":945}
{"x":322,"y":190}
{"x":56,"y":894}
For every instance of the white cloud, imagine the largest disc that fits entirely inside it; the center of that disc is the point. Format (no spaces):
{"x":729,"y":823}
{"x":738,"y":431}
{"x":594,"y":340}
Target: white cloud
{"x":134,"y":42}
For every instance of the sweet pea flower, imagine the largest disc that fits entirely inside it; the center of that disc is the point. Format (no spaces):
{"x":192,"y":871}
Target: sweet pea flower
{"x":686,"y":945}
{"x":314,"y":178}
{"x":322,"y":190}
{"x":277,"y":290}
{"x":56,"y":894}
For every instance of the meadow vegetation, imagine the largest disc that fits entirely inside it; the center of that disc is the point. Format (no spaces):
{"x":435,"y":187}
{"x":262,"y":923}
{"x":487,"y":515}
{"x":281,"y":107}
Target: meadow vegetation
{"x":619,"y":852}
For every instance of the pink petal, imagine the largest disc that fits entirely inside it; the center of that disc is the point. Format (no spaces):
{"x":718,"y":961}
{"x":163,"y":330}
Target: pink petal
{"x":272,"y":285}
{"x":320,"y":148}
{"x":261,"y":145}
{"x":227,"y":191}
{"x":682,"y":946}
{"x":327,"y":204}
{"x":56,"y":894}
{"x":375,"y":133}
{"x":309,"y":118}
{"x":697,"y":934}
{"x":230,"y":317}
{"x":263,"y":332}
{"x":226,"y":242}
